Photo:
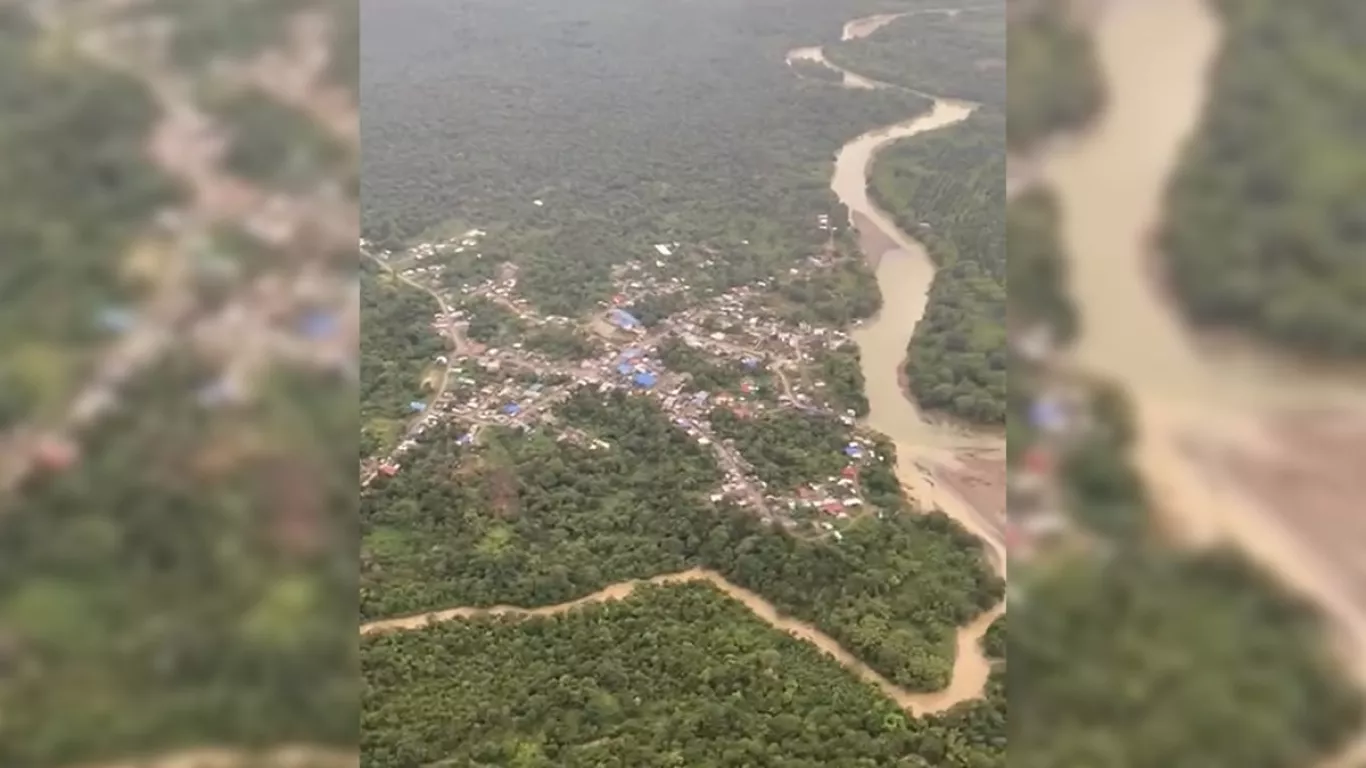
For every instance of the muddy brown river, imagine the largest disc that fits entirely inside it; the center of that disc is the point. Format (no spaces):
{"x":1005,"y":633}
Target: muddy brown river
{"x":1193,"y":399}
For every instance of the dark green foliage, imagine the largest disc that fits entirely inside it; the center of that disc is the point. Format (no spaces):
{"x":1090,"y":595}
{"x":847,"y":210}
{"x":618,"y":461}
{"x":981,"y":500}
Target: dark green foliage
{"x":528,"y":521}
{"x":633,"y":124}
{"x":788,"y":448}
{"x":842,"y":373}
{"x":274,"y":144}
{"x":1268,"y":209}
{"x":559,"y":341}
{"x":1151,"y":659}
{"x":1054,"y":78}
{"x":147,"y":599}
{"x":706,"y":372}
{"x":492,"y":323}
{"x":961,"y":56}
{"x":953,"y":181}
{"x":673,"y":676}
{"x":833,"y":297}
{"x":1038,"y":266}
{"x":398,"y":345}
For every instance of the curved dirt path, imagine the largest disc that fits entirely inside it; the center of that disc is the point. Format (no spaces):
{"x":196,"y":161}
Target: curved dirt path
{"x":970,"y":670}
{"x":1194,"y":406}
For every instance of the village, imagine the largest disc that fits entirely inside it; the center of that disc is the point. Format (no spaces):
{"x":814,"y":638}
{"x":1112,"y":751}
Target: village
{"x":769,"y":362}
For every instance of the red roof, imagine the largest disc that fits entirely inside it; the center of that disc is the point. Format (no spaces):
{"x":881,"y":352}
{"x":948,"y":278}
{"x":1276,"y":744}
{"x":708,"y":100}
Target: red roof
{"x":1039,"y":461}
{"x":850,"y":472}
{"x":832,"y":507}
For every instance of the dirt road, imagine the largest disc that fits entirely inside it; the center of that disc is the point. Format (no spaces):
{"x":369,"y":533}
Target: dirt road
{"x":970,"y":671}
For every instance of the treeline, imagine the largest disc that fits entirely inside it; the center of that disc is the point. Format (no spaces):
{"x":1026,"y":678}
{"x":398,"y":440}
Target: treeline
{"x":842,"y":371}
{"x":1038,"y":267}
{"x":672,"y":676}
{"x":274,"y":144}
{"x":531,"y":521}
{"x":1207,"y":649}
{"x":832,"y":297}
{"x":189,"y":580}
{"x":397,"y":347}
{"x":630,"y":125}
{"x":1266,"y":223}
{"x":960,"y":55}
{"x":1055,"y":81}
{"x":704,"y":373}
{"x":947,"y":188}
{"x":788,"y":448}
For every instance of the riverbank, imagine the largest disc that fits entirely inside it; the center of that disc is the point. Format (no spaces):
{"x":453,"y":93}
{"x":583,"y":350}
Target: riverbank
{"x":1223,"y":439}
{"x":970,"y":672}
{"x":929,"y":451}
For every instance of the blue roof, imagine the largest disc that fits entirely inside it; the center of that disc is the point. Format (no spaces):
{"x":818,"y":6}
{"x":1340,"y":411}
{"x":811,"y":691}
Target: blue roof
{"x":318,"y":324}
{"x":750,"y":362}
{"x":512,"y":409}
{"x":417,"y":405}
{"x":624,"y":319}
{"x":853,"y":450}
{"x":465,"y":439}
{"x":625,"y":369}
{"x":116,"y":319}
{"x":1047,"y":414}
{"x":645,"y":379}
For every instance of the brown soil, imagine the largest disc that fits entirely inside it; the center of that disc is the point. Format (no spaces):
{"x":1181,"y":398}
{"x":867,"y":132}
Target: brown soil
{"x":980,"y":479}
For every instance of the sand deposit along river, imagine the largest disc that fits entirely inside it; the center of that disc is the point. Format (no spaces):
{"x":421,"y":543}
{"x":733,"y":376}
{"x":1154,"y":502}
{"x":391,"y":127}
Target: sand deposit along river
{"x":1197,"y":404}
{"x":904,"y":274}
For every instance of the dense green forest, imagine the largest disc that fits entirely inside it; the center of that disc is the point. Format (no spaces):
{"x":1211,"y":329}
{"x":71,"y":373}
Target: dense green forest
{"x":276,"y":145}
{"x":188,"y":579}
{"x":962,"y":56}
{"x":191,"y":580}
{"x":531,"y":521}
{"x":788,"y":448}
{"x":1154,"y":659}
{"x":1055,"y":82}
{"x":398,"y":347}
{"x":631,"y":124}
{"x":948,"y":189}
{"x":842,"y":372}
{"x":1267,"y":218}
{"x":1038,"y":266}
{"x":672,"y":676}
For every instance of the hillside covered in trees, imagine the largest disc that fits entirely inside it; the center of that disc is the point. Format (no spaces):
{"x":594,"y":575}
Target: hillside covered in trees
{"x":1266,"y":220}
{"x":947,"y":188}
{"x":672,"y":676}
{"x":631,"y":125}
